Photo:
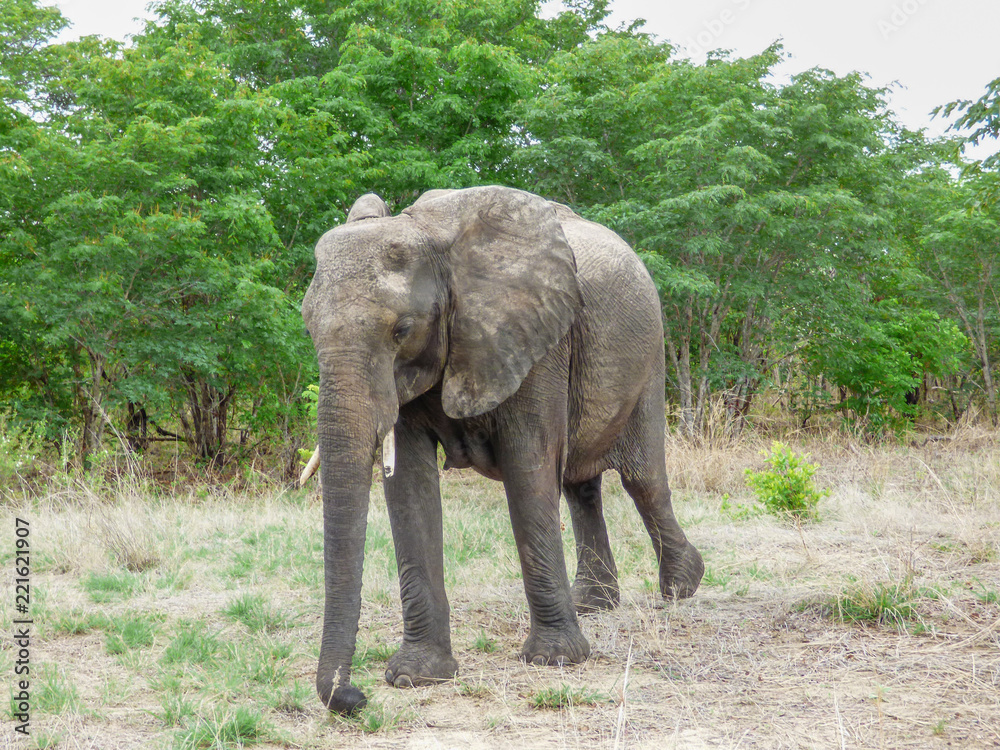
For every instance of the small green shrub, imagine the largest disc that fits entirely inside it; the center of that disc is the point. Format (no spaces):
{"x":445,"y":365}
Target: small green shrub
{"x":786,"y":488}
{"x":20,"y":446}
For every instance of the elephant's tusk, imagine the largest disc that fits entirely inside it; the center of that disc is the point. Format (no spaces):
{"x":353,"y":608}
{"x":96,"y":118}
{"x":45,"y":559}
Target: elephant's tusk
{"x":310,"y":468}
{"x":389,"y":453}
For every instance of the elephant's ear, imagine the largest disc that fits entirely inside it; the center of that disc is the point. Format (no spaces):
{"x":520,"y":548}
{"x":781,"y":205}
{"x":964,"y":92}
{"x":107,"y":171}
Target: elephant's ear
{"x":514,"y":289}
{"x":368,"y":206}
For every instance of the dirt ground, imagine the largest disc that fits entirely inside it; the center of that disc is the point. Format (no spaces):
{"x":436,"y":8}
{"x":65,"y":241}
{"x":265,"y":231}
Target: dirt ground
{"x":755,"y":659}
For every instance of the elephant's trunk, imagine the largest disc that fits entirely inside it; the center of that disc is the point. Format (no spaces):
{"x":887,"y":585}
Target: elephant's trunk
{"x":352,"y":420}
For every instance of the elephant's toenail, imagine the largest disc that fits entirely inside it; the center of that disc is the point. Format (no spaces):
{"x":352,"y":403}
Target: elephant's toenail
{"x":389,"y":676}
{"x":560,"y":661}
{"x":402,"y":682}
{"x":539,"y":661}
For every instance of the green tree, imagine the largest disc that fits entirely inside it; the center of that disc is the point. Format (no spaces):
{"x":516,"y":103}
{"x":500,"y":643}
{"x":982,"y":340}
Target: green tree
{"x":958,"y":250}
{"x":149,"y":256}
{"x":748,"y":201}
{"x":878,"y":361}
{"x":29,"y":371}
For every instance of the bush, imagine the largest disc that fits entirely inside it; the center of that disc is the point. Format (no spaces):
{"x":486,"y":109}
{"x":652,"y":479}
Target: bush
{"x":20,"y":447}
{"x":786,"y":488}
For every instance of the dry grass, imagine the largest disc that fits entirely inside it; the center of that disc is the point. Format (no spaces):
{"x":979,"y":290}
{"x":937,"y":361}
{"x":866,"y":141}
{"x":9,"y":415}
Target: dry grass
{"x":756,"y":659}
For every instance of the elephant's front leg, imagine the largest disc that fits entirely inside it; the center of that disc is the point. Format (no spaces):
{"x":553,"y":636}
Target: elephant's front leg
{"x":532,"y":482}
{"x":413,"y":498}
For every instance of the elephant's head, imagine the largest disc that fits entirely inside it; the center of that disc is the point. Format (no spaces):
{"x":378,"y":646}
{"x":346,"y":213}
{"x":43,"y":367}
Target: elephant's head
{"x":466,"y":288}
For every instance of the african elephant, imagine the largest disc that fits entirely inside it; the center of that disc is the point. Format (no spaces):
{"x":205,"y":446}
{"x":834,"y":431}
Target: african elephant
{"x":528,"y":343}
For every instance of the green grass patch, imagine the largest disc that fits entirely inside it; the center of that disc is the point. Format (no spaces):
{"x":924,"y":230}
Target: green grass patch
{"x":484,"y":643}
{"x":985,"y":595}
{"x":239,"y":728}
{"x":54,"y":693}
{"x":255,"y":613}
{"x":565,"y":696}
{"x":110,"y":587}
{"x":713,"y":577}
{"x":757,"y":573}
{"x":365,"y":655}
{"x":173,"y":579}
{"x":890,"y":605}
{"x":295,"y":698}
{"x":76,"y":622}
{"x":373,"y":718}
{"x":474,"y":689}
{"x":176,"y":710}
{"x":194,"y":644}
{"x":46,"y":740}
{"x":267,"y":667}
{"x":132,"y":632}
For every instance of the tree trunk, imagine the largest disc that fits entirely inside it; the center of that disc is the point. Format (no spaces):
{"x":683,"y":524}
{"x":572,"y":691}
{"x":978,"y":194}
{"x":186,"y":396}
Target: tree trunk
{"x":208,"y":410}
{"x":91,"y":397}
{"x":137,"y":428}
{"x":680,"y":358}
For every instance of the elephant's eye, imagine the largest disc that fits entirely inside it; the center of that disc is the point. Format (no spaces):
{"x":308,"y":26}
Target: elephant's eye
{"x":402,"y":329}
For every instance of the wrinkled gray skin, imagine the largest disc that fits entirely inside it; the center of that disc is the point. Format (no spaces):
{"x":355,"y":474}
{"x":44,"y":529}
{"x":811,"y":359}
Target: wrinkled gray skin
{"x":528,"y":343}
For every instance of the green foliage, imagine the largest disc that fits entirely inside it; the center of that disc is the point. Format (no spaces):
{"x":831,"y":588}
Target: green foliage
{"x":786,"y":488}
{"x":880,"y":360}
{"x":982,"y":117}
{"x":175,"y":710}
{"x":753,"y":206}
{"x":294,"y":698}
{"x":368,"y":654}
{"x":20,"y":446}
{"x":160,"y":201}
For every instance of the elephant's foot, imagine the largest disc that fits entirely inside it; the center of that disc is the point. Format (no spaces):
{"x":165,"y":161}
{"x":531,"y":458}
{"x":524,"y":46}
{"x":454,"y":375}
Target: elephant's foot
{"x":555,"y":646}
{"x":590,"y":595}
{"x":415,"y":665}
{"x":680,"y":574}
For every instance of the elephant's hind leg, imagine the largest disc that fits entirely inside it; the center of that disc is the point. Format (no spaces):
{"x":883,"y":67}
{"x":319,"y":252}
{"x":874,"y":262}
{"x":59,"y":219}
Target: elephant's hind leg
{"x":596,"y":584}
{"x":413,"y":499}
{"x":641,"y":461}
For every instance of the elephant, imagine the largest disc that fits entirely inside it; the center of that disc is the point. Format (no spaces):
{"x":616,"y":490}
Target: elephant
{"x":527,"y":342}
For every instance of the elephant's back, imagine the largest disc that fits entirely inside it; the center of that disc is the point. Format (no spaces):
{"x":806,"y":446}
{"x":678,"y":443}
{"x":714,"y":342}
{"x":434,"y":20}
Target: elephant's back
{"x":617,"y":341}
{"x":620,"y":299}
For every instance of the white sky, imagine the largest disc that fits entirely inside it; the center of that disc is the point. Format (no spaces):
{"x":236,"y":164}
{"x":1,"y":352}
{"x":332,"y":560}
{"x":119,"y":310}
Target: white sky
{"x":934,"y":50}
